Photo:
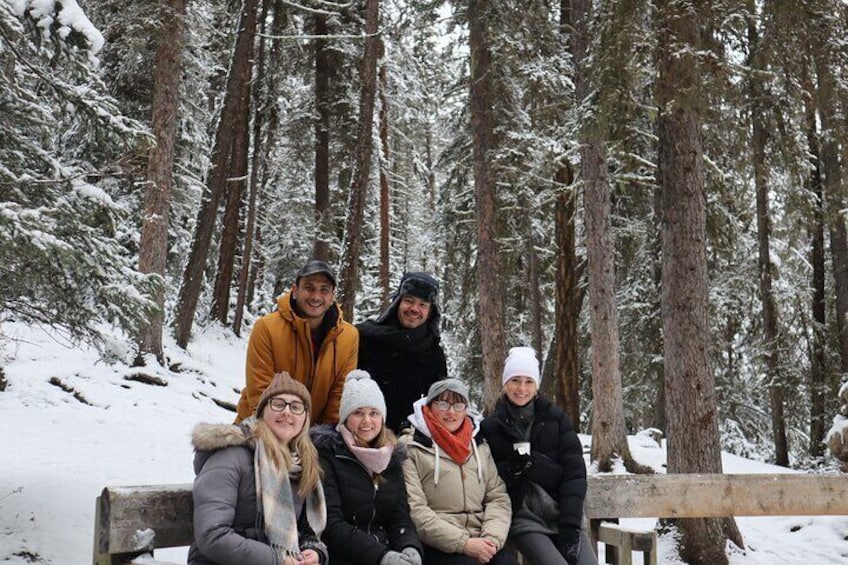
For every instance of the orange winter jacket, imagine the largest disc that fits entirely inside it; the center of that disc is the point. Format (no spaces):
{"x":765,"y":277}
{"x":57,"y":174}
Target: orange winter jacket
{"x":282,"y":341}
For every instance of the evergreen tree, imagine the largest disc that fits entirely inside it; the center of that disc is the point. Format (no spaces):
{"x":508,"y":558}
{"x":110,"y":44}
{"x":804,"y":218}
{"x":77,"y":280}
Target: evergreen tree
{"x":63,"y":142}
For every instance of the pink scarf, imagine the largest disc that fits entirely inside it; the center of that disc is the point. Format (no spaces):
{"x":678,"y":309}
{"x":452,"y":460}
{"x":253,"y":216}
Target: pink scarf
{"x":374,"y":459}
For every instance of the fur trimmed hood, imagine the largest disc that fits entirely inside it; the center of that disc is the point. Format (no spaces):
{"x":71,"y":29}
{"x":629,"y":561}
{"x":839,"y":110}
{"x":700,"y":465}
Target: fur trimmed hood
{"x":208,"y":438}
{"x":211,"y":437}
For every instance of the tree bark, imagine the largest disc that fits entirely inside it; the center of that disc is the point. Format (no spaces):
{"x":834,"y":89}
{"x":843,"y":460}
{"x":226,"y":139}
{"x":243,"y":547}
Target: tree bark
{"x":231,"y":231}
{"x":240,"y":71}
{"x":568,"y":299}
{"x":491,"y":302}
{"x":385,"y":203}
{"x":349,"y":271}
{"x":432,"y":261}
{"x":534,"y":280}
{"x":832,"y":185}
{"x":257,"y":168}
{"x":818,"y":360}
{"x":153,"y":248}
{"x":323,"y":71}
{"x":609,"y":435}
{"x":693,"y":441}
{"x":756,"y":95}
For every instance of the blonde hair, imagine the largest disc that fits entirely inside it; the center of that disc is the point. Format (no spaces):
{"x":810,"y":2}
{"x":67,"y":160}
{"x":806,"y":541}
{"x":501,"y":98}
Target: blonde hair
{"x":281,"y":454}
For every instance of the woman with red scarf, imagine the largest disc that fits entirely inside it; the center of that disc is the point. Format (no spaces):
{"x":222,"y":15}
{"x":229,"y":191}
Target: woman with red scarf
{"x":457,"y":501}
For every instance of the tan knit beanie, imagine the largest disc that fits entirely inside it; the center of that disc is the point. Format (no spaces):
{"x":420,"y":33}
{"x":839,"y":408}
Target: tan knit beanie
{"x":282,"y":383}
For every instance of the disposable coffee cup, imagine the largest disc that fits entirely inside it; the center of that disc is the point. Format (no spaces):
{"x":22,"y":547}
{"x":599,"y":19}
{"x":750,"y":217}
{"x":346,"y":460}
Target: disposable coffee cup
{"x":522,"y":447}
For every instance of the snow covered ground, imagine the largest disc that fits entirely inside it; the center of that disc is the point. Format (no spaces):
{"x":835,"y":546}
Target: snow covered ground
{"x":61,"y":443}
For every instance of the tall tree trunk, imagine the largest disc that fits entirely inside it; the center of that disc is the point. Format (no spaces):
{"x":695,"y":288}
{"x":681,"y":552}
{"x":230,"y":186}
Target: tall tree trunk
{"x":491,"y":302}
{"x":385,"y":203}
{"x":153,"y":248}
{"x":655,"y":339}
{"x":232,"y":210}
{"x":609,"y":435}
{"x":756,"y":95}
{"x":349,"y":271}
{"x":257,"y":164}
{"x":240,"y":70}
{"x":833,"y":188}
{"x":432,"y":263}
{"x":535,"y":282}
{"x":693,"y":442}
{"x":323,"y":71}
{"x":568,"y":299}
{"x":818,"y":361}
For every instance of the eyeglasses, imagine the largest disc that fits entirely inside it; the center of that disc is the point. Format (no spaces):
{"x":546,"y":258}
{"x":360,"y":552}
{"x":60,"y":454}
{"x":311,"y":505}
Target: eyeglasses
{"x":443,"y":405}
{"x":296,"y":407}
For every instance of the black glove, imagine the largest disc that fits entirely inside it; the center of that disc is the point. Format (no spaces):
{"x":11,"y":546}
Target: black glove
{"x":517,"y":465}
{"x":569,"y":545}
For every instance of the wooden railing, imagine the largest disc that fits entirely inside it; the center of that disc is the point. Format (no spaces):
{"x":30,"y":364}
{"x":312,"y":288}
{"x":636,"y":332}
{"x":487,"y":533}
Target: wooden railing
{"x":132,"y":521}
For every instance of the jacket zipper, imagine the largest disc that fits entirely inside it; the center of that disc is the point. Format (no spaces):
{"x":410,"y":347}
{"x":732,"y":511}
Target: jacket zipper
{"x":374,"y":494}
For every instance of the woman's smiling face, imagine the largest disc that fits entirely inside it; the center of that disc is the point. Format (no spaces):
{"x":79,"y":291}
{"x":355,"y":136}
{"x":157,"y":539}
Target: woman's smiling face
{"x":520,"y":390}
{"x":443,"y":407}
{"x":284,"y":424}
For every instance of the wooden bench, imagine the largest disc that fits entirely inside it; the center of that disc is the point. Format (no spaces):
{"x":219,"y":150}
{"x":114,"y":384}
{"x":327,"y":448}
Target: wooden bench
{"x":133,"y":521}
{"x":701,"y":496}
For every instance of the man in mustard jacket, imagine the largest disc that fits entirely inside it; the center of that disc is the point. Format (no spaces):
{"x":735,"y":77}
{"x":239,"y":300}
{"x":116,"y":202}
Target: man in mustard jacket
{"x":307,"y":337}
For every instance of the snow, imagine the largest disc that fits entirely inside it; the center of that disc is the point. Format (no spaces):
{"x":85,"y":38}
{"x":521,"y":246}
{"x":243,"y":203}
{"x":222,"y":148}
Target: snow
{"x":70,"y":16}
{"x":59,"y":452}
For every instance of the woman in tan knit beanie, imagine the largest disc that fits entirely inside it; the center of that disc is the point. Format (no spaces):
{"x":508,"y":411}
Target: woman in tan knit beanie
{"x":258,"y":496}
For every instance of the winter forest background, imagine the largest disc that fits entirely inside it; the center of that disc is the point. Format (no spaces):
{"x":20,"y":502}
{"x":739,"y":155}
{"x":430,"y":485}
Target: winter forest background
{"x":651,"y":193}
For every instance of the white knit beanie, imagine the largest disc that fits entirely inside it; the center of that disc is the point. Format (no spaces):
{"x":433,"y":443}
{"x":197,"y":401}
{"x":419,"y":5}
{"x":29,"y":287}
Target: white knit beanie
{"x":360,"y":391}
{"x":522,"y":361}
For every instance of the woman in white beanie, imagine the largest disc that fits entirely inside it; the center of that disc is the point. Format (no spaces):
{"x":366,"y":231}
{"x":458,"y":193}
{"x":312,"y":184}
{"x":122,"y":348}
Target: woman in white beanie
{"x":368,"y":520}
{"x":458,"y":502}
{"x":540,"y":458}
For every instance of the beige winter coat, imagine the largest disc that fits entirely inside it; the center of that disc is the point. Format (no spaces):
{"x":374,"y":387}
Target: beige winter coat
{"x":450,"y":503}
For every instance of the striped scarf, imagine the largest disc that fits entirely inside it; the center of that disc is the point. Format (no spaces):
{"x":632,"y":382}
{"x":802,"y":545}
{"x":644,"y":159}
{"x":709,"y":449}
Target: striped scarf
{"x":276,"y":502}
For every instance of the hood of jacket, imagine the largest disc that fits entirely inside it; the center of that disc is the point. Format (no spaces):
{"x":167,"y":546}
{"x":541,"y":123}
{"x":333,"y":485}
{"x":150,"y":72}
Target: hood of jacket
{"x":209,"y":438}
{"x":419,"y":423}
{"x":390,"y":314}
{"x":287,"y":309}
{"x":420,"y":433}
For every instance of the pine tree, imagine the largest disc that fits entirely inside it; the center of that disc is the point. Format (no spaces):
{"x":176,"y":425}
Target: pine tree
{"x":62,"y":145}
{"x":153,"y":247}
{"x":693,"y":444}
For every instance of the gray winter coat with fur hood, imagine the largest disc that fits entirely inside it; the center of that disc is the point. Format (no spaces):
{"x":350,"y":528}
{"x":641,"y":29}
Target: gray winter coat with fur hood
{"x":228,"y":530}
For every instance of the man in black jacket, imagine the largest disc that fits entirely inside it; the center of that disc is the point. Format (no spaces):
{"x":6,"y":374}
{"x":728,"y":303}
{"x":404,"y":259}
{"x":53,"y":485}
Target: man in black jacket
{"x":401,"y":349}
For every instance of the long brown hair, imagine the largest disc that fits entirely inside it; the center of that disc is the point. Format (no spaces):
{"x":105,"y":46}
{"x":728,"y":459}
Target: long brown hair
{"x":281,"y":453}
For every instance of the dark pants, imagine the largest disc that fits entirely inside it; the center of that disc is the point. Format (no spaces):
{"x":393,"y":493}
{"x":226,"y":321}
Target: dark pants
{"x":539,"y":549}
{"x":436,"y":557}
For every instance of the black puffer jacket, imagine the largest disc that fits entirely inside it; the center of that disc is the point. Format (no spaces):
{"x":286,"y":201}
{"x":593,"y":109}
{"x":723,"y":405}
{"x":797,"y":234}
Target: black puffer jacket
{"x":364,"y":521}
{"x":403,"y":362}
{"x":556,"y":455}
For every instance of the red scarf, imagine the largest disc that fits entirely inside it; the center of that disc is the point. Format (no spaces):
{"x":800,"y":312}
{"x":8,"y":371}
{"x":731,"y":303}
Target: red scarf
{"x":456,"y":444}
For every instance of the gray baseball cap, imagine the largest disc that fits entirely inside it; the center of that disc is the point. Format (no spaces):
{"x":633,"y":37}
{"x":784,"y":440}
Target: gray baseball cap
{"x":315,"y":267}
